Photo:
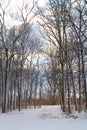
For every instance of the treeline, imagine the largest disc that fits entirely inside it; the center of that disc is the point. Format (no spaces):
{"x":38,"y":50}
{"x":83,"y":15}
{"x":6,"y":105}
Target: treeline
{"x":19,"y":69}
{"x":19,"y":60}
{"x":65,"y":29}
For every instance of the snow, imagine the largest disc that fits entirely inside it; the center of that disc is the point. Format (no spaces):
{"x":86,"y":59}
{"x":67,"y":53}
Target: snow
{"x":45,"y":118}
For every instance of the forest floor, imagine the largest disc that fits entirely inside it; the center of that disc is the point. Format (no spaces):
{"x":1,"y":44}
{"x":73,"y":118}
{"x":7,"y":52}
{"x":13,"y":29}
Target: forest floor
{"x":44,"y":118}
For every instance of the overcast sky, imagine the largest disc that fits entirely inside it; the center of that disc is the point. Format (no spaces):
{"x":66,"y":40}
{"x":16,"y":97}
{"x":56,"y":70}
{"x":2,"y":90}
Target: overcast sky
{"x":12,"y":17}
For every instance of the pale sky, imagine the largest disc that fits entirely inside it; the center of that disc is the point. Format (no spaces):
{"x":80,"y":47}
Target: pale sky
{"x":12,"y":17}
{"x":19,"y":2}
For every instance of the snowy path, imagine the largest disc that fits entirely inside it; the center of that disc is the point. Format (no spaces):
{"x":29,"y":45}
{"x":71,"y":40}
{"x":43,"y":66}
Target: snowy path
{"x":46,"y":118}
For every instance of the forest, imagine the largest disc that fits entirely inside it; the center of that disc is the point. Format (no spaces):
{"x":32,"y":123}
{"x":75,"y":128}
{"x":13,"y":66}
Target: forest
{"x":43,"y":55}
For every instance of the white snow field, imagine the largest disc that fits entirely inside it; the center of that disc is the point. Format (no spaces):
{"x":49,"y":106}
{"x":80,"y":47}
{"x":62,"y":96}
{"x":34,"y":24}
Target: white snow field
{"x":45,"y":118}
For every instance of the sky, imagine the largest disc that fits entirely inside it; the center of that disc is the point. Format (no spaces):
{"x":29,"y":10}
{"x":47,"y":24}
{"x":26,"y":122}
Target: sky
{"x":19,"y":2}
{"x":12,"y":16}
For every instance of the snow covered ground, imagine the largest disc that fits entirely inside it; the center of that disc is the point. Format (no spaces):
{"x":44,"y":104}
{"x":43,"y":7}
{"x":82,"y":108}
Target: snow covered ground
{"x":45,"y":118}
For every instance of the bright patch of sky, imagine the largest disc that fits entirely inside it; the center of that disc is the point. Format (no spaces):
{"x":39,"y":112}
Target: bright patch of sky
{"x":42,"y":3}
{"x":12,"y":10}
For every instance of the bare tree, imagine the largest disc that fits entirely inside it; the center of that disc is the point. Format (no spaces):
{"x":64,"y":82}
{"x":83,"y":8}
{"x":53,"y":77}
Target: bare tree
{"x":66,"y":29}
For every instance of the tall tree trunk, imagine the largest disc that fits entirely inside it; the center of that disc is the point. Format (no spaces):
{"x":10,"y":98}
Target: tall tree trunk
{"x":83,"y":76}
{"x":63,"y":90}
{"x":74,"y":91}
{"x":5,"y":78}
{"x":79,"y":82}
